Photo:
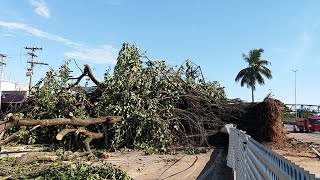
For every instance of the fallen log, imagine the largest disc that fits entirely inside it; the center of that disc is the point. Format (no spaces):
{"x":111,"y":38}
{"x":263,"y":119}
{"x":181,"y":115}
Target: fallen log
{"x":49,"y":156}
{"x":57,"y":121}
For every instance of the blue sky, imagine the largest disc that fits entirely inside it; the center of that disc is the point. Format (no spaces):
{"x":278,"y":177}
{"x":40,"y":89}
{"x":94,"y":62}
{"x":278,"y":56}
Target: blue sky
{"x":213,"y":34}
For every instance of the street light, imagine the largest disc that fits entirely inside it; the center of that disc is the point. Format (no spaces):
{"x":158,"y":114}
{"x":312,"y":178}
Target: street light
{"x":295,"y":91}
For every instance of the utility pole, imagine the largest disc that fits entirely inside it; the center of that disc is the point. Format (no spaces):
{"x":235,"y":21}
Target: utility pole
{"x":1,"y":68}
{"x":32,"y":63}
{"x":295,"y":91}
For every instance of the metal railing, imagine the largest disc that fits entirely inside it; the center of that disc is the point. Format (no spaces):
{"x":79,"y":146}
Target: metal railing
{"x":251,"y":160}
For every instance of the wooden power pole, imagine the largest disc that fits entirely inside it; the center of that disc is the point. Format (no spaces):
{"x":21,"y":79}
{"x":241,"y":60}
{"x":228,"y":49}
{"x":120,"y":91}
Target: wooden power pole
{"x":32,"y":63}
{"x":2,"y":56}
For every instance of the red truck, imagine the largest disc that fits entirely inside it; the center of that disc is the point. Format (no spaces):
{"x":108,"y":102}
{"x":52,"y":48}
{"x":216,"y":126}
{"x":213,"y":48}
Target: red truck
{"x":310,"y":123}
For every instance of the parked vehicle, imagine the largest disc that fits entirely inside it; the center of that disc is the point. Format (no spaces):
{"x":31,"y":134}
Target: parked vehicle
{"x":310,"y":123}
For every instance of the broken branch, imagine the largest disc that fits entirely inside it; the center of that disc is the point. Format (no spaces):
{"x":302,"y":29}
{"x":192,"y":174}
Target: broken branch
{"x":89,"y":72}
{"x":64,"y":132}
{"x":87,"y":141}
{"x":16,"y":135}
{"x":91,"y":137}
{"x":11,"y":137}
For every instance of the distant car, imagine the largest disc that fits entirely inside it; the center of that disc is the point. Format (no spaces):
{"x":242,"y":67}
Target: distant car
{"x":310,"y":123}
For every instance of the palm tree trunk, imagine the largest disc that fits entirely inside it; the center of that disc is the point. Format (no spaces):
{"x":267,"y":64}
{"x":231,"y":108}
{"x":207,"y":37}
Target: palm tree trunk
{"x":252,"y":89}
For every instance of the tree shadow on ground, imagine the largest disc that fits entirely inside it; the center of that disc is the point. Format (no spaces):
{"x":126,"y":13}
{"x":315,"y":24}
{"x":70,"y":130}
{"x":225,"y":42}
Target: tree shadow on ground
{"x":216,"y":168}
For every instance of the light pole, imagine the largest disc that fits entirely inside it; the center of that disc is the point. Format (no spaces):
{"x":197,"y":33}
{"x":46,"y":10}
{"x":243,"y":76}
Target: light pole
{"x":295,"y":91}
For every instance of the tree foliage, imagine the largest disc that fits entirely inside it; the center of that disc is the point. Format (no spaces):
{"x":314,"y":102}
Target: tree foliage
{"x":150,"y":96}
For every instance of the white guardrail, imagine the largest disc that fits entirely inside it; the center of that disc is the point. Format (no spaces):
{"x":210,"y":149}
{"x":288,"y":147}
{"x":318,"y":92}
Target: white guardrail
{"x":251,"y":160}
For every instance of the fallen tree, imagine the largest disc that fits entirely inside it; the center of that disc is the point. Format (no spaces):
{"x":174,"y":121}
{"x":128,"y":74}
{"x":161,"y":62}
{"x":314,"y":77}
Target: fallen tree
{"x":159,"y":104}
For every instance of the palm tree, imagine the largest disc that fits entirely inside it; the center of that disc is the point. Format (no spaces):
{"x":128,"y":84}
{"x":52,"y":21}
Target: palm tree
{"x":255,"y":70}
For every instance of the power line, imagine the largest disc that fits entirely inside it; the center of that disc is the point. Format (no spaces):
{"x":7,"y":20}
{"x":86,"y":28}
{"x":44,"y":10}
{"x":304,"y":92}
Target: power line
{"x":32,"y":64}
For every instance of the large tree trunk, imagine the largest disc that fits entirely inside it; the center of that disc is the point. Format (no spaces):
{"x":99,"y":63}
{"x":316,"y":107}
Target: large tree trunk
{"x":58,"y":121}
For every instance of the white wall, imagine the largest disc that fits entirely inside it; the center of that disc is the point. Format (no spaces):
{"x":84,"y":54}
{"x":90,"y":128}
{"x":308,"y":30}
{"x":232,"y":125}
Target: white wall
{"x":13,"y":86}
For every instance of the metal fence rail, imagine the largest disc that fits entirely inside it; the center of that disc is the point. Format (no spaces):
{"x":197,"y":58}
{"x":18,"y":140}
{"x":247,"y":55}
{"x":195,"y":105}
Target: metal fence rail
{"x":251,"y":160}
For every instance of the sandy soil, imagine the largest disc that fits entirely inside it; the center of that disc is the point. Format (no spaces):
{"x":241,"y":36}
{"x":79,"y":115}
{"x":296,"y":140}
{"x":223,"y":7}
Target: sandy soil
{"x":300,"y":153}
{"x":211,"y":165}
{"x":308,"y":161}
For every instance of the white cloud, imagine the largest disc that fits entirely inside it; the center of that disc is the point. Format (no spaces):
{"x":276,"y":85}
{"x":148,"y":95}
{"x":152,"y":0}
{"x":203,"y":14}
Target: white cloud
{"x":7,"y":35}
{"x":40,"y":8}
{"x":113,"y":3}
{"x":304,"y":43}
{"x":100,"y":55}
{"x":38,"y":33}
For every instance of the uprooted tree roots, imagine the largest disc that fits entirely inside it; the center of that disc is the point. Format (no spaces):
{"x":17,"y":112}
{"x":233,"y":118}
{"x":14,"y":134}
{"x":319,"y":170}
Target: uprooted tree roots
{"x":159,"y":106}
{"x":262,"y":120}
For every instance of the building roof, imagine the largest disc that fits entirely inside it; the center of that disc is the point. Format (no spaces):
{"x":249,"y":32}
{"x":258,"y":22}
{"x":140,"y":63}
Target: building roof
{"x":13,"y":96}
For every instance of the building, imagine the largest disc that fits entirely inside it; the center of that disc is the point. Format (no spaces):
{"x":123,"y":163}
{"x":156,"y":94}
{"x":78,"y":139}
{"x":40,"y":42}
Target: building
{"x":12,"y":93}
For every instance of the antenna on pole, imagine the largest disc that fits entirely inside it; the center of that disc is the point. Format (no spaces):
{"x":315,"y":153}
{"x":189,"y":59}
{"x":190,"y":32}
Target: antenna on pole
{"x":2,"y":56}
{"x":32,"y":63}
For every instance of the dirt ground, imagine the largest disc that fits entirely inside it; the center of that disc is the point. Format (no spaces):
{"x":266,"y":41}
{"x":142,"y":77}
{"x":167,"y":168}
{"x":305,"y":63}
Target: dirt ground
{"x":210,"y":165}
{"x":300,"y":153}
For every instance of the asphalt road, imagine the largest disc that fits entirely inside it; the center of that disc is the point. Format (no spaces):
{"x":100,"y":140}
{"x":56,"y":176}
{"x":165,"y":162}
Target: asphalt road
{"x":304,"y":136}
